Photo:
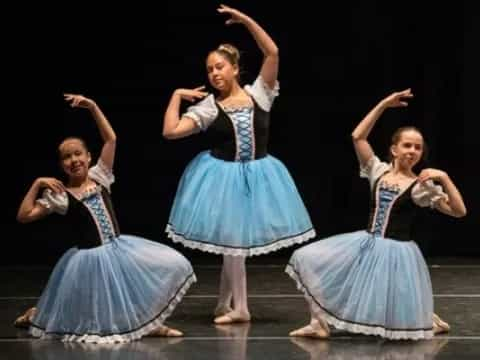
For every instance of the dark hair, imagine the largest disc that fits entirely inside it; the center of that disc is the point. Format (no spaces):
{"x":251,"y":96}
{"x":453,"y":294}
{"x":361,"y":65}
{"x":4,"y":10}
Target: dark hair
{"x":84,"y":144}
{"x":396,"y":138}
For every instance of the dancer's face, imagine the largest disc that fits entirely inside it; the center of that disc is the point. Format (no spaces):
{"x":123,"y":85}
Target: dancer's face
{"x":408,"y":151}
{"x":74,"y":158}
{"x":221,"y":73}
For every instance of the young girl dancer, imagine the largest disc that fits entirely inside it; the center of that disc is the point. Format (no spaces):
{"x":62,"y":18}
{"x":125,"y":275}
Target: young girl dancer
{"x":234,"y":200}
{"x":111,"y":287}
{"x":376,"y":281}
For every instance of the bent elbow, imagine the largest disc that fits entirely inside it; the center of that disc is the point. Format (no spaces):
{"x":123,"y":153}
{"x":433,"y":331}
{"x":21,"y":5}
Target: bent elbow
{"x":461,"y":213}
{"x":168,"y":135}
{"x":274,"y":52}
{"x":355,"y":137}
{"x":22,"y":219}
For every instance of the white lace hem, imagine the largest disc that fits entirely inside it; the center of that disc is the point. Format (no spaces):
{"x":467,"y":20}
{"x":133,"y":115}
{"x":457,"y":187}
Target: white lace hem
{"x":223,"y":250}
{"x":124,"y":337}
{"x":356,"y":328}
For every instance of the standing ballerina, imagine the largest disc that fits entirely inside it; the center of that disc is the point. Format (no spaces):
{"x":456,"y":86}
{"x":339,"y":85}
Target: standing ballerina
{"x":376,"y":281}
{"x":111,"y":287}
{"x":234,"y":200}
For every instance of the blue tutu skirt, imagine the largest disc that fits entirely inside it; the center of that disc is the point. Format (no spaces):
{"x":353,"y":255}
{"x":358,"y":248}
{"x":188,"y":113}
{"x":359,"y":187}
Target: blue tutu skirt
{"x":116,"y":292}
{"x":238,"y":208}
{"x":366,"y":284}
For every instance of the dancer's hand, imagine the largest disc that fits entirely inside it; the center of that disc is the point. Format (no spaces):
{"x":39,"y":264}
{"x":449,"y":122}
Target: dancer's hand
{"x":192,"y":94}
{"x":50,"y":183}
{"x":79,"y":101}
{"x":237,"y":17}
{"x":432,"y":174}
{"x":397,"y":99}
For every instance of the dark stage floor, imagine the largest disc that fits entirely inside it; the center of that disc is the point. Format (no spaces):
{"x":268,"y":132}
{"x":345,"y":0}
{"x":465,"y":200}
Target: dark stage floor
{"x":276,"y":306}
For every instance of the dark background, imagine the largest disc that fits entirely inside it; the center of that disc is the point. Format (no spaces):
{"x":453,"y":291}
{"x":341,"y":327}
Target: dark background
{"x":337,"y":61}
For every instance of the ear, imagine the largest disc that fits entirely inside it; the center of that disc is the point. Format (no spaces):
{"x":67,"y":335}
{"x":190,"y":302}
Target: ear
{"x":235,"y":70}
{"x":393,"y":150}
{"x":89,"y":158}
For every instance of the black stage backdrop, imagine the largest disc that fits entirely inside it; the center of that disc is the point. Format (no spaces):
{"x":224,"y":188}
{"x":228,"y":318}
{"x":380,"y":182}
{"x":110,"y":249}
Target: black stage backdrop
{"x":337,"y":61}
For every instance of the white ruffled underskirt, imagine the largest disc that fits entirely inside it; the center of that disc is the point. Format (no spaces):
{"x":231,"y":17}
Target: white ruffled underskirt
{"x":222,"y":250}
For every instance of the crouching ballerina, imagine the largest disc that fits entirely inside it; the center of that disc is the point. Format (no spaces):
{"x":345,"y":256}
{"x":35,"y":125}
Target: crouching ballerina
{"x":376,"y":281}
{"x":111,"y":287}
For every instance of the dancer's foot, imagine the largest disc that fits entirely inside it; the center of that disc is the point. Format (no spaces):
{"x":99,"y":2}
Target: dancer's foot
{"x":313,"y":330}
{"x":165,"y":331}
{"x":439,"y":326}
{"x":25,"y":320}
{"x":233,"y":317}
{"x":222,"y":309}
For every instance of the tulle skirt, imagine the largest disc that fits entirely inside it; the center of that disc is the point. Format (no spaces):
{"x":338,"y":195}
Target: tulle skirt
{"x":238,"y":208}
{"x":116,"y":292}
{"x":366,"y":284}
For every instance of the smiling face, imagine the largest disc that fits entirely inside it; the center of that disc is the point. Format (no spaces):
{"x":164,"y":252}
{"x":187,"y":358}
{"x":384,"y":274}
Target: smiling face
{"x":407,"y":148}
{"x":222,"y":73}
{"x":74,"y":158}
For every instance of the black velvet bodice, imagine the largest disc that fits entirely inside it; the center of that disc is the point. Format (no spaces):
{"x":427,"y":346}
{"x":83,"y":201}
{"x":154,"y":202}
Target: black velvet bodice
{"x":87,"y":227}
{"x":392,"y":213}
{"x":226,"y":137}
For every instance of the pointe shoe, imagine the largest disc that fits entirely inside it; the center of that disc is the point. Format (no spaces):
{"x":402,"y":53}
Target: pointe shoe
{"x":232,"y":317}
{"x":221,"y":310}
{"x":439,"y":326}
{"x":438,"y":329}
{"x":165,"y":331}
{"x":312,"y":332}
{"x":25,"y":320}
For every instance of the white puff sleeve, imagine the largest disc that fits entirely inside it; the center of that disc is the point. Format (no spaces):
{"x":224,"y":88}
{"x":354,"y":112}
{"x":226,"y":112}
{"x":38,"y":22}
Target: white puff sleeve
{"x":203,"y":113}
{"x":427,"y":194}
{"x":262,"y":93}
{"x":54,"y":202}
{"x":373,"y":169}
{"x":102,"y":174}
